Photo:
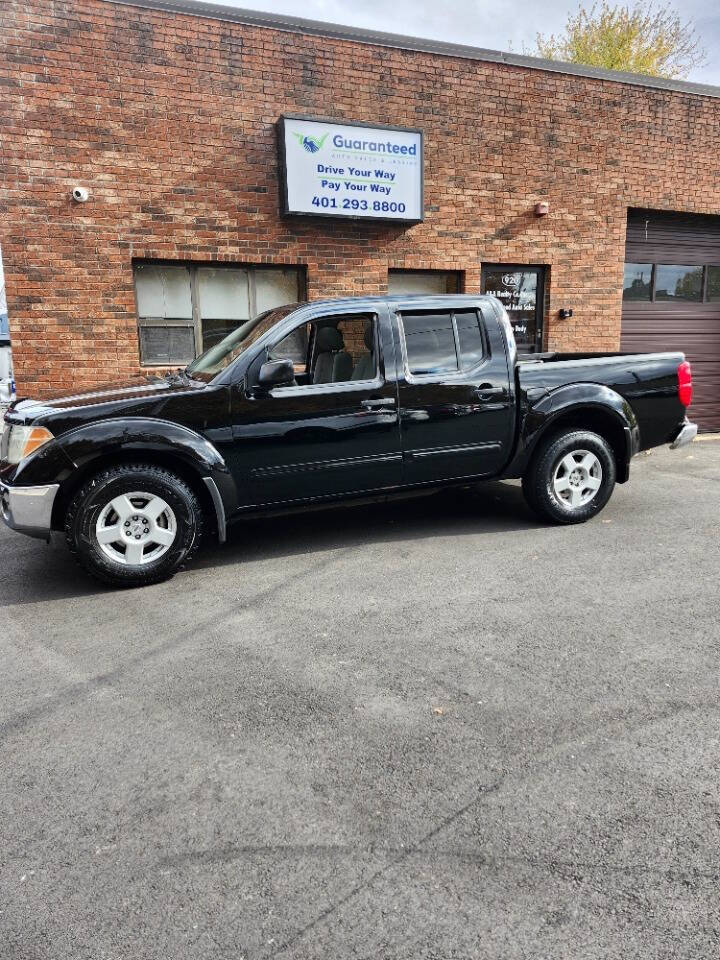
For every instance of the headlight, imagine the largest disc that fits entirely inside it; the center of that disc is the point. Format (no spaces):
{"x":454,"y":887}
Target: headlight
{"x":24,"y":441}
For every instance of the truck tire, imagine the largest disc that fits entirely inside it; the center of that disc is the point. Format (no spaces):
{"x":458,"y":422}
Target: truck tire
{"x":134,"y":524}
{"x":571,"y":477}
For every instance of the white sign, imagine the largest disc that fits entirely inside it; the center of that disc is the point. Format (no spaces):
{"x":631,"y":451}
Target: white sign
{"x":342,"y":170}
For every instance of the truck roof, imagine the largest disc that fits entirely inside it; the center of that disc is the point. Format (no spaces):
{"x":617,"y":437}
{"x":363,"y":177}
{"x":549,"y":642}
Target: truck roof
{"x":402,"y":297}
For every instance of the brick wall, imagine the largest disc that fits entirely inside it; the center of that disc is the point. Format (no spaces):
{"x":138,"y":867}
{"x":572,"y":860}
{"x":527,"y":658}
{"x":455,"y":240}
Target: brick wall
{"x":169,"y":120}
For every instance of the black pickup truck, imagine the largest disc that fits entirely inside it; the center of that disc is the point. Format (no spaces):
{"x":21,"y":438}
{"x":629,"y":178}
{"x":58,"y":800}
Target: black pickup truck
{"x":345,"y":399}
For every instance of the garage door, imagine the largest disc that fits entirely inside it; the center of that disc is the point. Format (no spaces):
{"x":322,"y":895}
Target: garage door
{"x":671,"y":297}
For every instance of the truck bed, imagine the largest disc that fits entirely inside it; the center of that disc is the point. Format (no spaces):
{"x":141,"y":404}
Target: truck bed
{"x":647,"y":381}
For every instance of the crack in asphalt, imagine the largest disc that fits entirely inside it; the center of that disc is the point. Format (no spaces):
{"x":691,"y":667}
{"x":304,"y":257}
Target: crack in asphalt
{"x":459,"y":854}
{"x":403,"y":854}
{"x":234,"y":852}
{"x":368,"y":882}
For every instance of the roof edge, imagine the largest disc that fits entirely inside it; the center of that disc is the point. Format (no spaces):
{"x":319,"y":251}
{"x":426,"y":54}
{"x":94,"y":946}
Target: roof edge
{"x":379,"y":38}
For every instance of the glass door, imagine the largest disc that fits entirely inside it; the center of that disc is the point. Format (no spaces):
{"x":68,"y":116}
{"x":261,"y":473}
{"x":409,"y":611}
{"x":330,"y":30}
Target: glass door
{"x":520,"y":289}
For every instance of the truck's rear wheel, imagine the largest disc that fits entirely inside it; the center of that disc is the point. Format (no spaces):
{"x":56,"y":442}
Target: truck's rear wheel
{"x":134,"y":524}
{"x":571,"y":477}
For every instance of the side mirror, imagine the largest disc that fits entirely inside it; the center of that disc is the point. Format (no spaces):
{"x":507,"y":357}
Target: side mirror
{"x":276,"y":373}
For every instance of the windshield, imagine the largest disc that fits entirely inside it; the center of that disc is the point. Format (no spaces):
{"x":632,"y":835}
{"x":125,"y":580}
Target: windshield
{"x":210,"y":363}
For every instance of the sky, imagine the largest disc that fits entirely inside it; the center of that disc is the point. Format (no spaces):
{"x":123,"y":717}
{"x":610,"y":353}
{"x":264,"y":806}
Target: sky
{"x":481,"y":23}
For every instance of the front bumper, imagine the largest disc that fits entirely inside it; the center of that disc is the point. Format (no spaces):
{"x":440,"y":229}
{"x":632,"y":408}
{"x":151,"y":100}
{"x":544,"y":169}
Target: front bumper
{"x":28,"y":509}
{"x":688,"y":432}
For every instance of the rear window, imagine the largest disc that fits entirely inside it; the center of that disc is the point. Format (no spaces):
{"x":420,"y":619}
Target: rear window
{"x":442,"y":343}
{"x":470,"y":339}
{"x":430,"y":343}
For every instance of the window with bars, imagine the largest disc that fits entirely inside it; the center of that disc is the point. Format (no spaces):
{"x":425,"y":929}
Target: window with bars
{"x":184,"y":309}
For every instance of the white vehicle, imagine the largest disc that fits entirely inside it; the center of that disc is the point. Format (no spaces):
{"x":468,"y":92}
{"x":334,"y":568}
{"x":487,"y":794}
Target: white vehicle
{"x":7,"y":384}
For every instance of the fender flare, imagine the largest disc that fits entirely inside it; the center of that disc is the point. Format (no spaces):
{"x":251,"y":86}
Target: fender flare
{"x":542,"y":415}
{"x":81,"y":446}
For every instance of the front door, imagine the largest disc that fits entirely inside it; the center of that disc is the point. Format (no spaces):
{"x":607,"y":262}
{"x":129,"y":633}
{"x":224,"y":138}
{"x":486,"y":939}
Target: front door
{"x":456,"y":405}
{"x":520,"y":289}
{"x":332,"y":432}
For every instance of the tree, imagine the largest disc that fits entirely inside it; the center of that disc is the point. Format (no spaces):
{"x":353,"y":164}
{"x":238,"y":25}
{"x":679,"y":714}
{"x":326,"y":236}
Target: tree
{"x":636,"y":39}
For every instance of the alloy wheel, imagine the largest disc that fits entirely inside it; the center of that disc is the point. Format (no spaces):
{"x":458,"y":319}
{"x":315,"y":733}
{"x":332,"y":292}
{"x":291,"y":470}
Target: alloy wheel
{"x":136,"y":528}
{"x":578,"y":477}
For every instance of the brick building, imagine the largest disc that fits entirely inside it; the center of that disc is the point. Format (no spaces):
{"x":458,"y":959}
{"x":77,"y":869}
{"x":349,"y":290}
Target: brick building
{"x":166,"y":113}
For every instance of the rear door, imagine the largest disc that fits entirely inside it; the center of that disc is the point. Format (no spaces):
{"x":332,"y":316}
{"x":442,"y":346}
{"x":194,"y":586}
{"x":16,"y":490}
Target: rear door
{"x":456,"y":405}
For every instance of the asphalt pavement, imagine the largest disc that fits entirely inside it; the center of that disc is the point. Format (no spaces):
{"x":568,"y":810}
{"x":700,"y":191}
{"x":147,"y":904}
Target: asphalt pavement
{"x":428,"y":730}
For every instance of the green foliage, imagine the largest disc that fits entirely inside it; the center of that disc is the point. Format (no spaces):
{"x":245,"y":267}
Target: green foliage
{"x":636,"y":39}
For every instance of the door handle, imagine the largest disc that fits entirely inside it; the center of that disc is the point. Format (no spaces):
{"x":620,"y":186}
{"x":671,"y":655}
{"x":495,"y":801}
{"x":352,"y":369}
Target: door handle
{"x":378,"y":402}
{"x":486,"y":391}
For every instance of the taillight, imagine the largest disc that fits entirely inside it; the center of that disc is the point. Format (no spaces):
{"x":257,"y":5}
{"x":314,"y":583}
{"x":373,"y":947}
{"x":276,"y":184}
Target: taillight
{"x":685,"y":384}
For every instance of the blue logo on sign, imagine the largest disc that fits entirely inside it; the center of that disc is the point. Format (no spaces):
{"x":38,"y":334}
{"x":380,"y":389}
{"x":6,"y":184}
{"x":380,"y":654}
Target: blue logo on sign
{"x":311,"y":144}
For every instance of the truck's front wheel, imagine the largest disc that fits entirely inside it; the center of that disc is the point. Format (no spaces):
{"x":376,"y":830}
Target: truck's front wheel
{"x":571,"y":477}
{"x":134,"y":524}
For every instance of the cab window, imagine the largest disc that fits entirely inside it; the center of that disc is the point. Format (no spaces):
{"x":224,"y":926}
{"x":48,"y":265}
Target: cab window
{"x":335,"y":349}
{"x":438,"y":343}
